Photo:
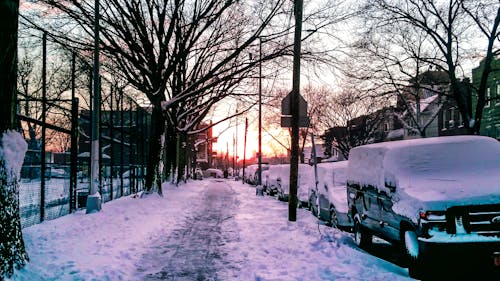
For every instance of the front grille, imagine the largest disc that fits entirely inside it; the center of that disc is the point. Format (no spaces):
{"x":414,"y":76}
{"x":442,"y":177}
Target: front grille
{"x":478,"y":219}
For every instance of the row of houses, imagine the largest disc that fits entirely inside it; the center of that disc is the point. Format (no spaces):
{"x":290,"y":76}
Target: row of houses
{"x":423,"y":109}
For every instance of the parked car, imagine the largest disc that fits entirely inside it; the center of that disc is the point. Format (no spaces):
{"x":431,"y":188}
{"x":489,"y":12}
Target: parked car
{"x":198,"y":174}
{"x":273,"y":178}
{"x":213,"y":173}
{"x":249,"y":175}
{"x":439,"y":198}
{"x":305,"y":176}
{"x":328,"y":200}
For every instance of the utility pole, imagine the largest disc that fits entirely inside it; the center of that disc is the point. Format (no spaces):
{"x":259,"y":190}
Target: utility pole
{"x":294,"y":158}
{"x":94,"y":198}
{"x":245,"y":149}
{"x":236,"y":145}
{"x":259,"y":182}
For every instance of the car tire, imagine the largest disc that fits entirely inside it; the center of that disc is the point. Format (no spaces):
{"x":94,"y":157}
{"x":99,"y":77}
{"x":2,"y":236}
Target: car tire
{"x":362,"y":236}
{"x":314,"y":210}
{"x":318,"y":211}
{"x":413,"y":255}
{"x":333,"y":219}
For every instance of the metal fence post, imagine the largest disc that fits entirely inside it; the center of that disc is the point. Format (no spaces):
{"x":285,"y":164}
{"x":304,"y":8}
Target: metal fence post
{"x":111,"y":144}
{"x":74,"y":154}
{"x":122,"y":142}
{"x":130,"y":164}
{"x":44,"y":113}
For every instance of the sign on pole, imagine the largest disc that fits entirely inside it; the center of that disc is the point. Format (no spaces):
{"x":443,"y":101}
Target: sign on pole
{"x":286,"y":112}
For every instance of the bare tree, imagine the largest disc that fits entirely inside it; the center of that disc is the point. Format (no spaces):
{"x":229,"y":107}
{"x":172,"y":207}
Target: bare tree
{"x":353,"y":121}
{"x":397,"y":66}
{"x":158,"y":44}
{"x":12,"y":250}
{"x":452,"y":29}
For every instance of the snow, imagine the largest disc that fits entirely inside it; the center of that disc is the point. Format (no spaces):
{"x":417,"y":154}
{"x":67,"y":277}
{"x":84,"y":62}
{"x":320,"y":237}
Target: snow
{"x":281,"y":173}
{"x":13,"y":149}
{"x":216,"y":173}
{"x":109,"y":245}
{"x":332,"y":183}
{"x":430,"y":173}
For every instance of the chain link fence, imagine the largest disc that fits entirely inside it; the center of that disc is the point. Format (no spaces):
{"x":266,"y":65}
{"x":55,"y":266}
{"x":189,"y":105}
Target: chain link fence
{"x":54,"y":110}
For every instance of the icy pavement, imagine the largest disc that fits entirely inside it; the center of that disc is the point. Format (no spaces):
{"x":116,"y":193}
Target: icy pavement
{"x":202,"y":230}
{"x":196,"y":250}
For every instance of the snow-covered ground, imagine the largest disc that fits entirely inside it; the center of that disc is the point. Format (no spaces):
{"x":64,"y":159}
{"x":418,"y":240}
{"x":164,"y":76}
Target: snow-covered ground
{"x":109,"y":245}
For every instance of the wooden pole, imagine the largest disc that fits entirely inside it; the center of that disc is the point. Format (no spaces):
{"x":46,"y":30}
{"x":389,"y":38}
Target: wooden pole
{"x":294,"y":159}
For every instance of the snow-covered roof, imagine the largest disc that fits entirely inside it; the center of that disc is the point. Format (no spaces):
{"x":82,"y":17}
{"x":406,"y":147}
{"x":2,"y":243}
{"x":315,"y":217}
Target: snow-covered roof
{"x":424,"y":103}
{"x":87,"y":155}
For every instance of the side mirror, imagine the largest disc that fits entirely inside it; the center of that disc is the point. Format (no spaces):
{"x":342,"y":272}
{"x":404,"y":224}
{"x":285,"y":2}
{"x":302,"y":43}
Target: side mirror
{"x":390,"y":186}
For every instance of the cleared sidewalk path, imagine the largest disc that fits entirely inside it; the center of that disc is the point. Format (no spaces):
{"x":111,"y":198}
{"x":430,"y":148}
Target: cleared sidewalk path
{"x":196,"y":251}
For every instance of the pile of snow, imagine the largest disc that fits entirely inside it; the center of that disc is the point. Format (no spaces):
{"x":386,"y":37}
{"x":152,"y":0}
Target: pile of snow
{"x":13,"y":149}
{"x":109,"y":244}
{"x":105,"y":245}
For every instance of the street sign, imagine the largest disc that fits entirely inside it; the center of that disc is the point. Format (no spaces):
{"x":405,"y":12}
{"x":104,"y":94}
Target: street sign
{"x":286,"y":121}
{"x":286,"y":108}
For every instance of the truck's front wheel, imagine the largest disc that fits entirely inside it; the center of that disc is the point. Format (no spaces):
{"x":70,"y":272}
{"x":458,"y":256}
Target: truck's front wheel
{"x":413,"y":254}
{"x":362,"y":236}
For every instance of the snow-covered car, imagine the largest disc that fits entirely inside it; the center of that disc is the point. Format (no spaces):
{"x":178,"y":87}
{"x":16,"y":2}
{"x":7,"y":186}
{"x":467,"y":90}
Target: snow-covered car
{"x":249,"y":175}
{"x":305,"y":176}
{"x":213,"y":173}
{"x":198,"y":174}
{"x":306,"y":181}
{"x":328,"y":200}
{"x":273,"y":178}
{"x":265,"y":177}
{"x":439,"y":198}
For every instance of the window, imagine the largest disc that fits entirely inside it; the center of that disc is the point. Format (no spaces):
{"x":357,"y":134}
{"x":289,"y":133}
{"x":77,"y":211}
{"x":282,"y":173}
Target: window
{"x":497,"y":101}
{"x":487,"y":97}
{"x":487,"y":132}
{"x":386,"y":127}
{"x":460,"y":121}
{"x":451,"y":123}
{"x":445,"y":119}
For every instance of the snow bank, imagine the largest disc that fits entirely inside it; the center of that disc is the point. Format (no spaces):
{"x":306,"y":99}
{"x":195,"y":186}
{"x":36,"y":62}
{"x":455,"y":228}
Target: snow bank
{"x":275,"y":249}
{"x":13,"y":150}
{"x":109,"y":244}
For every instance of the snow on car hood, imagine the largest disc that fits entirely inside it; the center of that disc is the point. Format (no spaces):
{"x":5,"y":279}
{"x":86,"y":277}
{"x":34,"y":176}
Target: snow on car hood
{"x":440,"y":193}
{"x":432,"y":173}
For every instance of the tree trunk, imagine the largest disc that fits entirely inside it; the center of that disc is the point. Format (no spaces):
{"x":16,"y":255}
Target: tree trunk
{"x":170,"y":147}
{"x":155,"y":147}
{"x":12,"y":251}
{"x":12,"y":149}
{"x":181,"y":164}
